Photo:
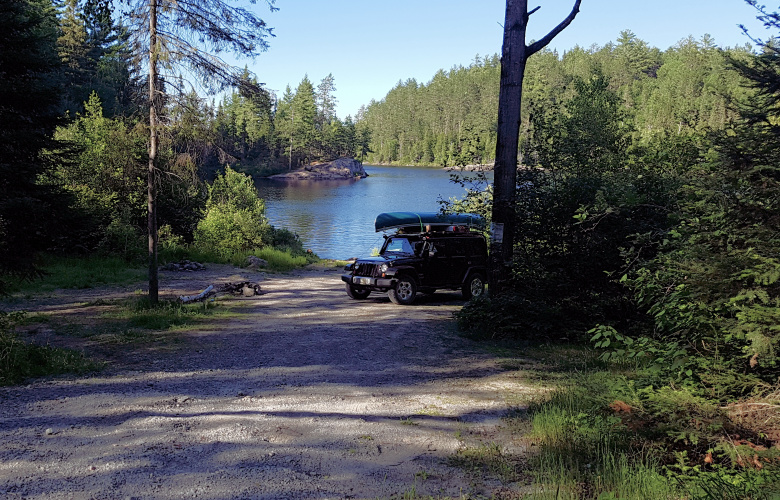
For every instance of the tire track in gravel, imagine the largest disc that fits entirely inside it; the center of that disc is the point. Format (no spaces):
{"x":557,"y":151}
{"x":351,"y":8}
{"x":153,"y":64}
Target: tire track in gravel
{"x":307,"y":394}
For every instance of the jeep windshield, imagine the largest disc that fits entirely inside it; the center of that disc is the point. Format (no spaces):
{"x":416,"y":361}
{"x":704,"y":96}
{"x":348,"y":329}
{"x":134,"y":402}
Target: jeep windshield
{"x":397,"y":246}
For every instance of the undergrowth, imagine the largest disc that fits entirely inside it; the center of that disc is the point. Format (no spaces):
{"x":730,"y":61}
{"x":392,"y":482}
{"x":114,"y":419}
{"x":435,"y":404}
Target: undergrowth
{"x":20,"y":360}
{"x":75,"y":272}
{"x":601,"y":434}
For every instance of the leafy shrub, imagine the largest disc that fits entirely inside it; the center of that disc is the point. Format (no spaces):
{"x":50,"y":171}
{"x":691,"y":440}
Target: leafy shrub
{"x":510,"y":316}
{"x":591,"y":196}
{"x":167,"y":238}
{"x":282,"y":238}
{"x":235,"y":215}
{"x":107,"y":173}
{"x":233,"y":230}
{"x":123,"y":240}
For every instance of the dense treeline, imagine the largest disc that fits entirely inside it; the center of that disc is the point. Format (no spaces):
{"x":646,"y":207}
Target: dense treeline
{"x":73,"y":109}
{"x":652,"y":204}
{"x":647,"y":227}
{"x":451,"y":120}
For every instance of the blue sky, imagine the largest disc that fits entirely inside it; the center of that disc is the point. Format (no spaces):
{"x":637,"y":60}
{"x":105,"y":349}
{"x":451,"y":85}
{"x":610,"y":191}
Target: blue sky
{"x":368,"y":45}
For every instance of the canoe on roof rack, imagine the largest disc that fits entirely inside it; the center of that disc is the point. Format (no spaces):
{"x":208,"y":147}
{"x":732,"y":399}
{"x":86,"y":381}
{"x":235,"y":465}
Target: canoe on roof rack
{"x":417,"y":221}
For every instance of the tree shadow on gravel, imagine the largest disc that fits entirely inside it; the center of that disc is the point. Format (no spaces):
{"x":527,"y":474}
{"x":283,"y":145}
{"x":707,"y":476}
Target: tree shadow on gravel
{"x":302,"y":393}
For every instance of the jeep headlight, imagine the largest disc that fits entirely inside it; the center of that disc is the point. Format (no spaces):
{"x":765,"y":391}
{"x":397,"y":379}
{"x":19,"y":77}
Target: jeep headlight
{"x":383,"y":268}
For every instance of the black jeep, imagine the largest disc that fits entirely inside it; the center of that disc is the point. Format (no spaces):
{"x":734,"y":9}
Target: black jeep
{"x":426,"y":253}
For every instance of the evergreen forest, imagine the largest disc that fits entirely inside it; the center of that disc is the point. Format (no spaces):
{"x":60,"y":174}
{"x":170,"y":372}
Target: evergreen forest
{"x":646,"y":228}
{"x":685,"y":90}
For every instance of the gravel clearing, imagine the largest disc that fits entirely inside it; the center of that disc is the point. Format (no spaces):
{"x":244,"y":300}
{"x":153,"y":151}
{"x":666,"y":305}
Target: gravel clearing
{"x":306,"y":394}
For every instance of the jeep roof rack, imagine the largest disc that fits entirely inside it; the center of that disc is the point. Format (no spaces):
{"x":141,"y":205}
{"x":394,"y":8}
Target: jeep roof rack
{"x":418,"y":221}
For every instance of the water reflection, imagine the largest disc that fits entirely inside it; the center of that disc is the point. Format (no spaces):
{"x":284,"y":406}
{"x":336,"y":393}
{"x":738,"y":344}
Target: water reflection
{"x":336,"y":218}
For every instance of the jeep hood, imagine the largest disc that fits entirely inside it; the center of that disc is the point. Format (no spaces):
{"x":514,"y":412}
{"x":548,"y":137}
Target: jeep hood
{"x":383,"y":259}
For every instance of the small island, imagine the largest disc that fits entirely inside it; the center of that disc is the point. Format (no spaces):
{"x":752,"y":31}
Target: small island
{"x":341,"y":169}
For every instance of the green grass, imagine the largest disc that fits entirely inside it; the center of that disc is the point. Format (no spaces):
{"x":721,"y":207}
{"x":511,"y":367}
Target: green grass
{"x":584,"y":449}
{"x":329,"y":264}
{"x":585,"y":455}
{"x":79,"y":273}
{"x":278,"y":260}
{"x":486,"y":460}
{"x":132,"y":322}
{"x":594,"y":434}
{"x":165,"y":315}
{"x":20,"y":360}
{"x":135,"y":321}
{"x":281,"y":261}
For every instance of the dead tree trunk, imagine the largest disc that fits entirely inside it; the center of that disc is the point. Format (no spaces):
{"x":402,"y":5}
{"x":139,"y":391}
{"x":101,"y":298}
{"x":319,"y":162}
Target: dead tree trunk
{"x":514,"y":55}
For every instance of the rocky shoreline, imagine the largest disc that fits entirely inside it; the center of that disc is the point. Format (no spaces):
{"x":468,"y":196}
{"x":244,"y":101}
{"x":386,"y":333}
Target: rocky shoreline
{"x":471,"y":168}
{"x":340,"y":169}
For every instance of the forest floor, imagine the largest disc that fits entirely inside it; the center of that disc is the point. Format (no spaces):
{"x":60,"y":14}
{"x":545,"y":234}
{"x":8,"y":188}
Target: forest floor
{"x":300,"y":392}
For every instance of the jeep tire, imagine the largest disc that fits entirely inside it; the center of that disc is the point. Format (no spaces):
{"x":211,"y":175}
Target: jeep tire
{"x":404,"y":292}
{"x":357,"y":293}
{"x":474,"y":286}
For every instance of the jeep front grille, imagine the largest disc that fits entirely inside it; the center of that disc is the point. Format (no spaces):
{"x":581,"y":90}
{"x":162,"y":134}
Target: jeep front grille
{"x":368,"y":270}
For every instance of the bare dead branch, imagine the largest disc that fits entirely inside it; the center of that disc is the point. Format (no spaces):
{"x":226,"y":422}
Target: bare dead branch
{"x":539,"y":45}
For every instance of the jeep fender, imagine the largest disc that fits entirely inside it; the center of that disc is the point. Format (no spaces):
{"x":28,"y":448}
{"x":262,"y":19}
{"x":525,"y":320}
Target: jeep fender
{"x":474,"y":269}
{"x":395,"y":271}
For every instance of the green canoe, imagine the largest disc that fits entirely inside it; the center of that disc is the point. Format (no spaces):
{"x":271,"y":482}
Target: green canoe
{"x":419,"y":220}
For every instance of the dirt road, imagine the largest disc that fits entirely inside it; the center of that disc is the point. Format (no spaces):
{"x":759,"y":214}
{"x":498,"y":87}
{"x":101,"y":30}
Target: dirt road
{"x":307,"y":394}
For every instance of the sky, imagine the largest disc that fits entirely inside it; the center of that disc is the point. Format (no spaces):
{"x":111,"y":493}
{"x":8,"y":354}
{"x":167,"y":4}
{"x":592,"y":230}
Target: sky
{"x":369,"y":45}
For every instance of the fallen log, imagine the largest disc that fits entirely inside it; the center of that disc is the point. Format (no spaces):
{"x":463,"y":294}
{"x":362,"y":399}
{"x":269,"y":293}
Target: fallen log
{"x":245,"y":288}
{"x":209,"y":291}
{"x":240,"y":287}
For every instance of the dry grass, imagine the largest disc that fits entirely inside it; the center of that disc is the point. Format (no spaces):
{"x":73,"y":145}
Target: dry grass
{"x":760,"y":416}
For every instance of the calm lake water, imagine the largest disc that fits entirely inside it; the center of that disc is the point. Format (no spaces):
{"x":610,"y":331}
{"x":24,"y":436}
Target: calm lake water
{"x":335,"y":219}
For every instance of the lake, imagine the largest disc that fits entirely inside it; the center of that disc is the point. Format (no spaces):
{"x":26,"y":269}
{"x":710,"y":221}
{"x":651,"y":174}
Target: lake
{"x":335,"y":219}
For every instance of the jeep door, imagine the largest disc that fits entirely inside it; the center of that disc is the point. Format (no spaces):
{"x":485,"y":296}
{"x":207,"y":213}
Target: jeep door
{"x":460,"y":251}
{"x":439,"y":272}
{"x":477,"y":252}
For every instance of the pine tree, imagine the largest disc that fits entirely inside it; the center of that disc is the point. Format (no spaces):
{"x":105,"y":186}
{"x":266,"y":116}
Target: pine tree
{"x":29,"y":110}
{"x":72,"y":48}
{"x":95,"y":58}
{"x":325,"y":100}
{"x":284,"y":119}
{"x":249,"y":114}
{"x":169,"y":36}
{"x":304,"y":132}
